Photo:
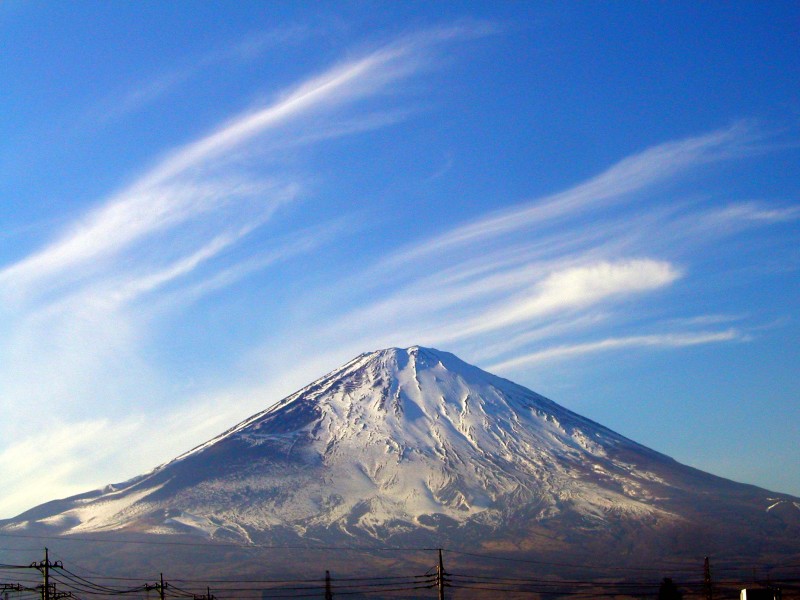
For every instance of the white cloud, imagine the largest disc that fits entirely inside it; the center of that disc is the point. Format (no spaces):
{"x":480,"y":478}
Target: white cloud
{"x":635,"y":173}
{"x":665,"y":340}
{"x":575,"y":288}
{"x":179,"y":189}
{"x":755,"y":212}
{"x":497,"y":285}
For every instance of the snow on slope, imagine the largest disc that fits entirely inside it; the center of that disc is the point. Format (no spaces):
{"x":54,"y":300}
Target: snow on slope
{"x":394,"y":441}
{"x":408,"y":441}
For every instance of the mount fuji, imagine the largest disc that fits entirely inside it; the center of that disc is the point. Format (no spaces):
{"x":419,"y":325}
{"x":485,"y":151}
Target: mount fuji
{"x":403,"y":445}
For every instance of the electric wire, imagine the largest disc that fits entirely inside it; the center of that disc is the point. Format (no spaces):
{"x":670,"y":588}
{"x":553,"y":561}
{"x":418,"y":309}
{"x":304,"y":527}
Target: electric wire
{"x":76,"y":585}
{"x":75,"y":576}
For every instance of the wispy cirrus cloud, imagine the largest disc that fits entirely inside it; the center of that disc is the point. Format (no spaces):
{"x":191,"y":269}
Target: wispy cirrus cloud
{"x":508,"y":271}
{"x":126,"y":219}
{"x":613,"y":186}
{"x":664,"y":340}
{"x":749,"y":213}
{"x":197,"y":180}
{"x":567,"y":266}
{"x":573,"y":289}
{"x":179,"y":189}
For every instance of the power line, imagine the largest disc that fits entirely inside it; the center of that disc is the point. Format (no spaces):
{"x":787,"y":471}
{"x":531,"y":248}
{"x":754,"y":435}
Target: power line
{"x":77,"y":585}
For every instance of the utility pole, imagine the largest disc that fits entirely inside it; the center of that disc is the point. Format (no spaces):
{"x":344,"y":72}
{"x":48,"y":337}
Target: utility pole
{"x":208,"y":595}
{"x":707,"y":593}
{"x":45,"y":567}
{"x":440,"y":576}
{"x":46,"y":591}
{"x":160,"y":586}
{"x":328,"y":590}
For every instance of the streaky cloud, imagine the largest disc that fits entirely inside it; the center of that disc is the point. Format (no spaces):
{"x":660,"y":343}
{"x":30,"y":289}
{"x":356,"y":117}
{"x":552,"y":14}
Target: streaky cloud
{"x":632,"y":174}
{"x":179,"y":188}
{"x":754,"y":213}
{"x":560,"y":266}
{"x":572,"y":289}
{"x":660,"y":340}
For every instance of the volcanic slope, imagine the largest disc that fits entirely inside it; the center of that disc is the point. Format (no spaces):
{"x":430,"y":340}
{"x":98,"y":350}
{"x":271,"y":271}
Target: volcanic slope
{"x":415,"y":445}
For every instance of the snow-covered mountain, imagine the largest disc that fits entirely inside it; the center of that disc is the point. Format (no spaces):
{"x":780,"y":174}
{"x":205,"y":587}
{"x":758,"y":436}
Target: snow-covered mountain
{"x":414,"y":443}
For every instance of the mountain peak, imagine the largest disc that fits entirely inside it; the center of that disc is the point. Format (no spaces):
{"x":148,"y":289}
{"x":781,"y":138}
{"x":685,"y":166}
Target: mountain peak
{"x":397,"y":441}
{"x":412,"y":353}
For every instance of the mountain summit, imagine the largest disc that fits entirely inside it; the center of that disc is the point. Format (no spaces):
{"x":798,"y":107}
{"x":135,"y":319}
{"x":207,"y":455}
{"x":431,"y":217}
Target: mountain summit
{"x":414,"y":443}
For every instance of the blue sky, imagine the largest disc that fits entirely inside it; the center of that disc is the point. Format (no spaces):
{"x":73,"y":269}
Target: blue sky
{"x":205,"y":206}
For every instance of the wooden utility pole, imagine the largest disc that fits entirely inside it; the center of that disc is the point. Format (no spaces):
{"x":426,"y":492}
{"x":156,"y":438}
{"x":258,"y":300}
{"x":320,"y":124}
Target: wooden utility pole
{"x":440,"y":576}
{"x":707,"y":594}
{"x":161,"y":587}
{"x":46,"y":571}
{"x":328,"y":590}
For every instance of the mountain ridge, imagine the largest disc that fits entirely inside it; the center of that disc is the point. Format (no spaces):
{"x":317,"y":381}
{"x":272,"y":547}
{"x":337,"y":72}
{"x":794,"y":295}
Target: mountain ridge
{"x":404,"y":444}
